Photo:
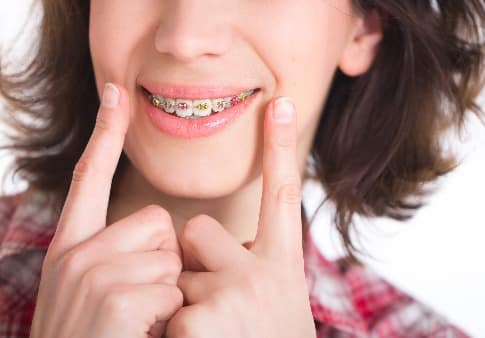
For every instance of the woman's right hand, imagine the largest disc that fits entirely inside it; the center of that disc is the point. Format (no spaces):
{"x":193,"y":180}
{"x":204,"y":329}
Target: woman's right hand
{"x":103,"y":281}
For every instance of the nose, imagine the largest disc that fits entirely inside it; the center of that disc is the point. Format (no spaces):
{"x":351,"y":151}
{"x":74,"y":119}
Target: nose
{"x":190,"y":29}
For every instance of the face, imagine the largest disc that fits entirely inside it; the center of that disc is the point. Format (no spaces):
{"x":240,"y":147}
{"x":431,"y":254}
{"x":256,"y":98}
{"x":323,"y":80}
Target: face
{"x":282,"y":47}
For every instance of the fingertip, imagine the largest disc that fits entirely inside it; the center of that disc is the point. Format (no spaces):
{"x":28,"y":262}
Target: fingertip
{"x":283,"y":110}
{"x":111,"y":96}
{"x":115,"y":98}
{"x":281,"y":123}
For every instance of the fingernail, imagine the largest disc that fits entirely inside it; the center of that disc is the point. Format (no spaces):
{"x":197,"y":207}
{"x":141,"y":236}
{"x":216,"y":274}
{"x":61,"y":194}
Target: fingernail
{"x":111,"y":96}
{"x":284,"y":109}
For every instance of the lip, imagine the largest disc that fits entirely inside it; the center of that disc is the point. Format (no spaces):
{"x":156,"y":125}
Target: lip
{"x":192,"y":92}
{"x":194,"y":128}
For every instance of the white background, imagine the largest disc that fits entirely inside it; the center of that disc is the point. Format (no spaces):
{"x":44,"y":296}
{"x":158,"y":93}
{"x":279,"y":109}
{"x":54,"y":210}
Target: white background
{"x":437,"y":256}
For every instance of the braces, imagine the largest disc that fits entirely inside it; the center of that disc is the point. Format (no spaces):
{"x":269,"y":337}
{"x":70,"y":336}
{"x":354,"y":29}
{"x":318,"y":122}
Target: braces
{"x":222,"y":104}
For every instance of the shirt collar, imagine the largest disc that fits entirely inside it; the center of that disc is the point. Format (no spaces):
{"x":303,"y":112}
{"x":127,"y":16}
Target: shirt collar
{"x":330,"y":294}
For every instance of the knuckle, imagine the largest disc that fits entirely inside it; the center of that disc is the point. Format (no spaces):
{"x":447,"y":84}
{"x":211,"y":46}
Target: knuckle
{"x":195,"y":221}
{"x":117,"y":304}
{"x":250,"y":282}
{"x":290,"y":192}
{"x":82,"y":169}
{"x":189,"y":232}
{"x":48,"y":267}
{"x":192,"y":226}
{"x":102,"y":125}
{"x":105,"y":126}
{"x":172,"y":261}
{"x":254,"y":287}
{"x":70,"y":264}
{"x":156,"y":214}
{"x":51,"y":255}
{"x":225,"y":300}
{"x":175,"y":296}
{"x":156,"y":224}
{"x":93,"y":279}
{"x":180,"y":325}
{"x":49,"y":263}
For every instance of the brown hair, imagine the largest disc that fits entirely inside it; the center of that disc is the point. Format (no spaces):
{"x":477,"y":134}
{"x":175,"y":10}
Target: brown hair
{"x":378,"y":140}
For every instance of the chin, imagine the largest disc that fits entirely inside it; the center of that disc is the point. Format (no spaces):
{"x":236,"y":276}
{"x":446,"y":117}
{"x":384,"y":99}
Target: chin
{"x":196,"y":187}
{"x":209,"y":183}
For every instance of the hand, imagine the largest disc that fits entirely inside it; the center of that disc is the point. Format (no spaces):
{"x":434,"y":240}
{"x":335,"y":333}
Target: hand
{"x":260,"y":291}
{"x":98,"y":281}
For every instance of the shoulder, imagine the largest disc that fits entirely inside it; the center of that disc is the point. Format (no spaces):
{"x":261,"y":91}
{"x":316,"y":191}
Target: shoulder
{"x":26,"y":228}
{"x":8,"y":205}
{"x":354,"y":301}
{"x":26,"y":222}
{"x":9,"y":212}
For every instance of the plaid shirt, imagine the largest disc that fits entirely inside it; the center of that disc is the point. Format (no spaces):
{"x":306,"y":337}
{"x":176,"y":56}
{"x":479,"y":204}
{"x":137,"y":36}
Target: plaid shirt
{"x":346,"y":300}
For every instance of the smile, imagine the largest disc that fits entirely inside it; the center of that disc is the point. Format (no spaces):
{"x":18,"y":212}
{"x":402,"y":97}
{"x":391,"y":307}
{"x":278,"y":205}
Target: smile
{"x":194,"y":109}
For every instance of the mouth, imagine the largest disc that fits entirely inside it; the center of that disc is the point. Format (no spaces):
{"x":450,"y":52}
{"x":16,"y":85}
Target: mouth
{"x":199,"y":108}
{"x":190,"y":112}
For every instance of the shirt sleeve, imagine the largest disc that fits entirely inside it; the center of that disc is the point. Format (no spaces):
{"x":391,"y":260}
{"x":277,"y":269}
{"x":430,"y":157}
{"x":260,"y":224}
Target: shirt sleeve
{"x":20,"y":265}
{"x":350,"y":300}
{"x":385,"y":311}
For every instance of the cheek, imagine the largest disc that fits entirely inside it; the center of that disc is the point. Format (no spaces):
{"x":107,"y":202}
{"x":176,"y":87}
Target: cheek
{"x":116,"y":29}
{"x":301,"y":46}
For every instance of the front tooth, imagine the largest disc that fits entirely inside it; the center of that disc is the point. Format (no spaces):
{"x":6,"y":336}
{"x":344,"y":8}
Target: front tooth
{"x":218,"y":105}
{"x":202,"y":107}
{"x":169,"y":105}
{"x":227,"y":101}
{"x":183,"y":108}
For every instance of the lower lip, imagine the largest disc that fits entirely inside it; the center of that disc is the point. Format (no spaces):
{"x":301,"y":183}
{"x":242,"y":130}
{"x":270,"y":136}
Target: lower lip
{"x":194,"y":128}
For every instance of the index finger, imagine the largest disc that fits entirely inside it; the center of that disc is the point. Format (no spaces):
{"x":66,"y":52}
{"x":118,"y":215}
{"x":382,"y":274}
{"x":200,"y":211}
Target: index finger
{"x":280,"y":229}
{"x":85,"y":209}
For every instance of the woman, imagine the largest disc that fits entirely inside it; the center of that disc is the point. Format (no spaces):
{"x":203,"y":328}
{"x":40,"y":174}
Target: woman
{"x":181,"y":216}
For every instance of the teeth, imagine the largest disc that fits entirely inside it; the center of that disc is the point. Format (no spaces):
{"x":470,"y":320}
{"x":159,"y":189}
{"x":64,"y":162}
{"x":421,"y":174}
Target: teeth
{"x":218,"y":105}
{"x":197,"y":108}
{"x":202,"y":107}
{"x":168,"y":105}
{"x":183,"y":108}
{"x":227,"y":102}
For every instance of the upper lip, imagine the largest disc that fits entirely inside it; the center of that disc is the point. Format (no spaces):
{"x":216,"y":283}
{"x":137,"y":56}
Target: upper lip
{"x":191,"y":92}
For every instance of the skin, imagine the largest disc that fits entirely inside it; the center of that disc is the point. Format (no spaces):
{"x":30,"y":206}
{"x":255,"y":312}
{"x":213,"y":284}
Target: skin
{"x":294,"y":54}
{"x":252,"y":194}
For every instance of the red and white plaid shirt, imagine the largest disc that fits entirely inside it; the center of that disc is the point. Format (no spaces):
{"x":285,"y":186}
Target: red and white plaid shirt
{"x":346,"y":300}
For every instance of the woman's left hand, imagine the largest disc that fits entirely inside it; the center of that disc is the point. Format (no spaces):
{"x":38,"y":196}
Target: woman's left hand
{"x":259,"y":291}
